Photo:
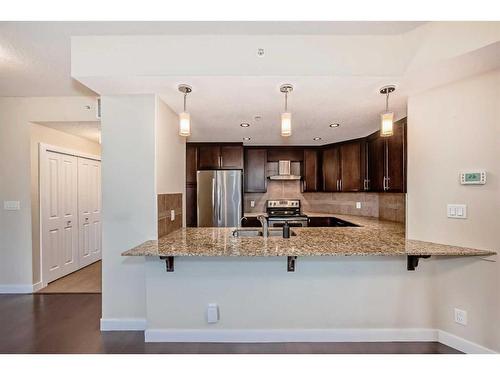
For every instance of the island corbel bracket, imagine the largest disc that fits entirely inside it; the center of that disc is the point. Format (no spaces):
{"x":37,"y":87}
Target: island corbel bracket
{"x":169,"y":263}
{"x":412,"y":261}
{"x":290,"y":261}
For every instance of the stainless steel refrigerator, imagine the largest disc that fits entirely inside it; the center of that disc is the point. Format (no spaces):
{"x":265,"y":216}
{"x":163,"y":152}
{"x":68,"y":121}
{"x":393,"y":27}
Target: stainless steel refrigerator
{"x":219,"y":198}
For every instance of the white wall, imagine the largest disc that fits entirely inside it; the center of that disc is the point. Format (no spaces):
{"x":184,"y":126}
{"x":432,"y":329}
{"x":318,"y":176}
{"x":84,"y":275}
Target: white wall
{"x":44,"y":134}
{"x":129,"y":200}
{"x":453,"y":128}
{"x":15,"y":177}
{"x":170,"y":153}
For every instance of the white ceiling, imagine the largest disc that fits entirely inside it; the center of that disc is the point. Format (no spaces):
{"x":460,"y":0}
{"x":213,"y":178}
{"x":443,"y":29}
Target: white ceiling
{"x":35,"y":56}
{"x":90,"y":130}
{"x":336,"y":68}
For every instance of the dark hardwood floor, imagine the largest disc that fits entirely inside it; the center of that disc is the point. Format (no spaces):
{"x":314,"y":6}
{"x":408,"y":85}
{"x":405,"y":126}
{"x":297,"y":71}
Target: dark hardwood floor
{"x":69,"y":323}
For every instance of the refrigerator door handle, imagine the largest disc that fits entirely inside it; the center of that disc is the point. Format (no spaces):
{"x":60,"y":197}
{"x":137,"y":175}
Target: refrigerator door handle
{"x":219,"y":202}
{"x":214,"y":201}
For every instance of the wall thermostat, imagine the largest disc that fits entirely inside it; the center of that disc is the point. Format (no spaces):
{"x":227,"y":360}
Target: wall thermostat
{"x":473,"y":178}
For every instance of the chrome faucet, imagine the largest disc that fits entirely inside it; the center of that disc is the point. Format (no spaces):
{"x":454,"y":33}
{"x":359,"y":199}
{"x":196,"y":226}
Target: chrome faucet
{"x":241,"y":221}
{"x":263,"y":222}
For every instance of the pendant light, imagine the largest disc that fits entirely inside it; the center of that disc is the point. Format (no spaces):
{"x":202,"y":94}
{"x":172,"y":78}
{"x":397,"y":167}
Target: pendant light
{"x":286,"y":117}
{"x":184,"y":117}
{"x":387,"y":118}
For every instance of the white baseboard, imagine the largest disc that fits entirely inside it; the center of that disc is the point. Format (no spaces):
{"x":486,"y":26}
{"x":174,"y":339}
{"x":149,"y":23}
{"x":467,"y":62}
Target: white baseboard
{"x":123,"y":324}
{"x":16,"y":289}
{"x":286,"y":335}
{"x":38,"y":286}
{"x":462,"y":344}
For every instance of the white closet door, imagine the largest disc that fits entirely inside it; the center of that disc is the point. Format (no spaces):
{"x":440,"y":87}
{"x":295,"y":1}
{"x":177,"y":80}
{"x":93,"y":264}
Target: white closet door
{"x":89,"y":207}
{"x":59,"y":215}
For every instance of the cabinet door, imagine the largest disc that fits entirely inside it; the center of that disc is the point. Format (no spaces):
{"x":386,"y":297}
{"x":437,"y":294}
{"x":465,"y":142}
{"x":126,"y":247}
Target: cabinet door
{"x":376,"y":163}
{"x":191,"y":163}
{"x":331,"y":169}
{"x":255,"y":170}
{"x":231,"y":157}
{"x":311,"y":175}
{"x":209,"y":157}
{"x":351,"y":165}
{"x":191,"y":220}
{"x":395,"y":158}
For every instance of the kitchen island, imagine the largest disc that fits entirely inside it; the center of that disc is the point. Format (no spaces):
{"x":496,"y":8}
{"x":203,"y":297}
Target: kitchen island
{"x":372,"y":237}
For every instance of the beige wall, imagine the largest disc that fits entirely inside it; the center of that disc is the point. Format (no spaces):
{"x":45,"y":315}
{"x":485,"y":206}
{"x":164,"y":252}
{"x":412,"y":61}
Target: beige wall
{"x":16,"y":114}
{"x":453,"y":128}
{"x":44,"y":134}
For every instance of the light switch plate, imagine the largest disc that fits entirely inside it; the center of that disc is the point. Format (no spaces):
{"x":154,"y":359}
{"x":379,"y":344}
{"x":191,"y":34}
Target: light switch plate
{"x":172,"y":215}
{"x":11,"y":205}
{"x":457,"y":211}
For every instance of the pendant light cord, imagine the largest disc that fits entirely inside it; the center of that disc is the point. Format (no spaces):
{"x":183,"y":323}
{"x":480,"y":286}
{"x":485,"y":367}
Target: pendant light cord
{"x":387,"y":101}
{"x":286,"y":101}
{"x":185,"y":94}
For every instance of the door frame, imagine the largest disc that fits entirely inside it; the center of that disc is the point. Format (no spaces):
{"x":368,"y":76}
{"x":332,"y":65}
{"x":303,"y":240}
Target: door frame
{"x":43,"y":148}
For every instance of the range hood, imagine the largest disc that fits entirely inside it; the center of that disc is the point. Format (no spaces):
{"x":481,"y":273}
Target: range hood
{"x":284,"y":172}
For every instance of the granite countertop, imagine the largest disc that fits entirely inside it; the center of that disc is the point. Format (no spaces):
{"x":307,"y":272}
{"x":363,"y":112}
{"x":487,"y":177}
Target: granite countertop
{"x":372,"y":237}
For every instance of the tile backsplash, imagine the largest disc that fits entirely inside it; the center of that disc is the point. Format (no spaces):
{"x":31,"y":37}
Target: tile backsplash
{"x":388,"y":206}
{"x":166,"y":203}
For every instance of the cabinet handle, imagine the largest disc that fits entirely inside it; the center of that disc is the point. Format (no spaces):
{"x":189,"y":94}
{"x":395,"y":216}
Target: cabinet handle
{"x":305,"y":185}
{"x":220,"y":161}
{"x":340,"y":185}
{"x":387,"y":184}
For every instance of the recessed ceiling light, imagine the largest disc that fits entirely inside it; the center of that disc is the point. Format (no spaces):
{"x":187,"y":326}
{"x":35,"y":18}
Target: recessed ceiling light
{"x":317,"y":139}
{"x":335,"y":125}
{"x":244,"y":124}
{"x":257,"y":117}
{"x":246,"y":138}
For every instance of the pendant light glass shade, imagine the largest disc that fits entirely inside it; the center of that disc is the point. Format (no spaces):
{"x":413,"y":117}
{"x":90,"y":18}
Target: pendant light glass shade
{"x":386,"y":124}
{"x":286,"y":124}
{"x":184,"y":124}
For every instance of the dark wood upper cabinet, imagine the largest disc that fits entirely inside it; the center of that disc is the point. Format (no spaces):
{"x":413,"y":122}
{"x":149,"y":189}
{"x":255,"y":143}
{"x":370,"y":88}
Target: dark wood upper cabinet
{"x":387,"y":160}
{"x":351,"y":166}
{"x":331,"y":168}
{"x":396,"y":158}
{"x":208,"y":156}
{"x":231,"y":157}
{"x":220,"y":156}
{"x":191,"y":163}
{"x":376,"y":162}
{"x":255,"y":170}
{"x":294,"y":154}
{"x":311,"y":171}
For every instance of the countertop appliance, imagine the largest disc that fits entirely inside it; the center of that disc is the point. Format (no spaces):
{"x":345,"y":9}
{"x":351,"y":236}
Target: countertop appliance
{"x":280,"y":211}
{"x":219,"y":198}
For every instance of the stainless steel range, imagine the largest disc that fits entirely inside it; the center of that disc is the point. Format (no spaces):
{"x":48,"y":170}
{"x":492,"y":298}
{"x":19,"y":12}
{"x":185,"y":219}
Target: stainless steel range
{"x":285,"y":210}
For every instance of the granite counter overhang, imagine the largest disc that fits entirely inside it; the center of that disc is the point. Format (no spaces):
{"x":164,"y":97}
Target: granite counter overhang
{"x":373,"y":237}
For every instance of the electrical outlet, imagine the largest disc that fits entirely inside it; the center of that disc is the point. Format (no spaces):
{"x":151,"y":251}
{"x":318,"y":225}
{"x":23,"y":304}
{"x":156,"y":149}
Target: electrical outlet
{"x":457,"y":211}
{"x":358,"y":204}
{"x":252,"y":203}
{"x":212,"y":313}
{"x":172,"y":215}
{"x":461,"y":317}
{"x":11,"y":205}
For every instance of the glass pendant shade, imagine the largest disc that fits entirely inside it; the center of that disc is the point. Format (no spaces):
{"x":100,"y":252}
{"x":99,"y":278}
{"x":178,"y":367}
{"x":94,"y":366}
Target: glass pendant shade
{"x":286,"y":124}
{"x":386,"y":124}
{"x":184,"y":124}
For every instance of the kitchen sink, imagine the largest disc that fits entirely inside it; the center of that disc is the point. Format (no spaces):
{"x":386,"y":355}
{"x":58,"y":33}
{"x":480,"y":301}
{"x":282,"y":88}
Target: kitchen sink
{"x":253,"y":232}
